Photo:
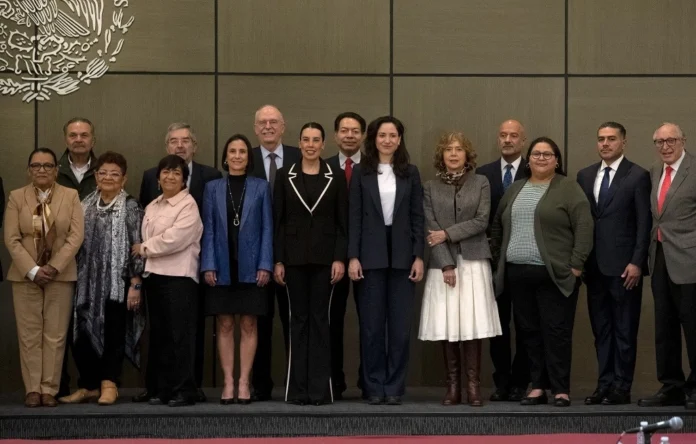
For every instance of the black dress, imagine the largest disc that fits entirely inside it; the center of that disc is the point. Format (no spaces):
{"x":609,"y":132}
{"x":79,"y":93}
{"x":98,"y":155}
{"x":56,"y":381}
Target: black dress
{"x":239,"y":297}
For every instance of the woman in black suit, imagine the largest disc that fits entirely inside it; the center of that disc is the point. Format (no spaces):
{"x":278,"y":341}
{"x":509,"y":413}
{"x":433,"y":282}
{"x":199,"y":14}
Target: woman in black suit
{"x":310,"y":216}
{"x":385,"y":249}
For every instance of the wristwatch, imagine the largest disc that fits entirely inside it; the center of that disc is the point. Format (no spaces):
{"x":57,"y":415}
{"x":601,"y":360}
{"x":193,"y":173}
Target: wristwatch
{"x":137,"y":286}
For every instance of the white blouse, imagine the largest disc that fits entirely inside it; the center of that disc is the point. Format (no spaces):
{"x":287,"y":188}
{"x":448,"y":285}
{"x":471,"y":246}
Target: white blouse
{"x":386,"y":180}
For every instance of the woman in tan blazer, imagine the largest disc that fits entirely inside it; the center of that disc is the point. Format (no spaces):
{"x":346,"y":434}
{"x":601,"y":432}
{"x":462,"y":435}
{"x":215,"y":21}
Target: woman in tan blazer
{"x":44,"y":227}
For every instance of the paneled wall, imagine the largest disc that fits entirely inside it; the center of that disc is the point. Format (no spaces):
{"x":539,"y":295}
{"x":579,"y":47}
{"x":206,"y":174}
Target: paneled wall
{"x":560,"y":66}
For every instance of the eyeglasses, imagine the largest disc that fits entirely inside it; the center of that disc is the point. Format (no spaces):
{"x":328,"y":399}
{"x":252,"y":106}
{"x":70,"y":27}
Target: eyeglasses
{"x":670,"y":141}
{"x":263,"y":123}
{"x":48,"y":167}
{"x":539,"y":155}
{"x":109,"y":174}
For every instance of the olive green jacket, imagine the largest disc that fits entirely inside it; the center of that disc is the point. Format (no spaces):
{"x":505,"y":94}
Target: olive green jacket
{"x":67,"y":178}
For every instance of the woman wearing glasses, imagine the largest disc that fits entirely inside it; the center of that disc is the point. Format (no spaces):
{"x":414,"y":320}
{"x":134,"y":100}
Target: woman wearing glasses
{"x":107,"y":323}
{"x":540,"y":237}
{"x":44,"y":228}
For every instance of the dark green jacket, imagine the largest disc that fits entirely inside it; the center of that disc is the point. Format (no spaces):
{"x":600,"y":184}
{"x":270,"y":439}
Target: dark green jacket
{"x":67,"y":178}
{"x":563,"y":228}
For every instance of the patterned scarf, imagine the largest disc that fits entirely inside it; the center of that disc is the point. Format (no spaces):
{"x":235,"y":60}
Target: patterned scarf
{"x":44,"y":228}
{"x":451,"y":178}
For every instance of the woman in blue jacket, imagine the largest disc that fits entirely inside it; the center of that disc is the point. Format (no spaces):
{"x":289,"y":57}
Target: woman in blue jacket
{"x":237,"y":259}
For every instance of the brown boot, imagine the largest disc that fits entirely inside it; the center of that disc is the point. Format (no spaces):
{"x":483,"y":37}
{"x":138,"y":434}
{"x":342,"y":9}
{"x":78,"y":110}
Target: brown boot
{"x":109,"y":393}
{"x":471,"y":351}
{"x":453,"y":366}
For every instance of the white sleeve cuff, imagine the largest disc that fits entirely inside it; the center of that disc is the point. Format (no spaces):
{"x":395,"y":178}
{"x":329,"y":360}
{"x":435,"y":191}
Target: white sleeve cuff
{"x":32,"y":273}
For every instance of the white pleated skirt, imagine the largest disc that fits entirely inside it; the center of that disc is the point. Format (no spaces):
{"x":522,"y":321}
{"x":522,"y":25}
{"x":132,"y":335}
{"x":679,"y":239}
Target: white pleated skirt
{"x":467,"y":311}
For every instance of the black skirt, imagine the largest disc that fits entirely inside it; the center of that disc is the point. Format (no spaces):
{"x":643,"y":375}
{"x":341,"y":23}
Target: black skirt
{"x":239,"y":298}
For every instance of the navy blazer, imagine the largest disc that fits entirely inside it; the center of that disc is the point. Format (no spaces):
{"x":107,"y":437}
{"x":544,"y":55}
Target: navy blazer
{"x":494,"y":173}
{"x":200,"y":176}
{"x":291,"y":154}
{"x":255,"y":231}
{"x":623,"y":221}
{"x":367,"y":234}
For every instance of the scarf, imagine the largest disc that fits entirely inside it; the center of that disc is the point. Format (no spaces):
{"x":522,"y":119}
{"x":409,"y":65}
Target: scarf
{"x":44,"y":228}
{"x":451,"y":178}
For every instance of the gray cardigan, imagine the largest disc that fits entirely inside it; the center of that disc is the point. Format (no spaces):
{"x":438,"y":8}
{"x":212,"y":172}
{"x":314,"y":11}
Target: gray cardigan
{"x":563,"y":228}
{"x":464,"y":218}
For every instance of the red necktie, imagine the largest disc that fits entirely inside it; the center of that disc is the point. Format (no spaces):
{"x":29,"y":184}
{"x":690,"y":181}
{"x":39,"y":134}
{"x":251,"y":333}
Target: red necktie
{"x":349,"y":169}
{"x":663,"y":194}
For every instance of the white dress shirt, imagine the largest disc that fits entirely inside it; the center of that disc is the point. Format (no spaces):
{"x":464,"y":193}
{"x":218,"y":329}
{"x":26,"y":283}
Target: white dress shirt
{"x":342,"y":159}
{"x":600,"y":175}
{"x":79,"y":172}
{"x":675,"y":167}
{"x":515,"y":166}
{"x":267,"y":160}
{"x":386,"y":180}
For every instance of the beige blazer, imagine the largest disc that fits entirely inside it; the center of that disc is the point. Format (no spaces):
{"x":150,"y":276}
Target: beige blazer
{"x":19,"y":239}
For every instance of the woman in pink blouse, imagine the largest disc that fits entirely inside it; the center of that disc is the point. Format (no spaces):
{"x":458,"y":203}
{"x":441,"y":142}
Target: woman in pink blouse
{"x":172,"y":231}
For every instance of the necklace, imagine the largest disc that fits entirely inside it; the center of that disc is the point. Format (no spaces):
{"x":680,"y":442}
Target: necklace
{"x":235,"y":221}
{"x":107,"y":206}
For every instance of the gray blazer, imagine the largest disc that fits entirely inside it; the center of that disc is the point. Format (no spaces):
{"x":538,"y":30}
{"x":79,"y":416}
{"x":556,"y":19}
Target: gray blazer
{"x":464,"y":217}
{"x":677,"y":221}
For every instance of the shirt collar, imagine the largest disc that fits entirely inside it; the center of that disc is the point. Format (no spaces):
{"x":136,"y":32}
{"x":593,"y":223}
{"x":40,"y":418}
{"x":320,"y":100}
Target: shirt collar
{"x":174,"y":200}
{"x":85,"y":166}
{"x":355,"y":158}
{"x":675,"y":165}
{"x":515,"y":164}
{"x":614,"y":166}
{"x":278,"y":151}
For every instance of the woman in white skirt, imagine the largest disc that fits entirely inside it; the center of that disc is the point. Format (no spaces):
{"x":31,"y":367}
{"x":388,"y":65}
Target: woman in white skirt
{"x":459,"y":307}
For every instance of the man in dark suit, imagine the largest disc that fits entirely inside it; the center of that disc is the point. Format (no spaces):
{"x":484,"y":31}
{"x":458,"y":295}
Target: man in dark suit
{"x":269,"y":157}
{"x":511,"y":377}
{"x":181,"y":140}
{"x":672,"y":259}
{"x":619,"y":195}
{"x":349,"y":133}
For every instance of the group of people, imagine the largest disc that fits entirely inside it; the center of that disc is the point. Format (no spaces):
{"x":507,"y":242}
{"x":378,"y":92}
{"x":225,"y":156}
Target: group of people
{"x":513,"y":239}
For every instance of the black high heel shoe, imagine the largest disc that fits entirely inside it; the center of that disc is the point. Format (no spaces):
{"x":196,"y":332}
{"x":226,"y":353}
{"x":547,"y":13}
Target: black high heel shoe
{"x":535,"y":400}
{"x":226,"y":401}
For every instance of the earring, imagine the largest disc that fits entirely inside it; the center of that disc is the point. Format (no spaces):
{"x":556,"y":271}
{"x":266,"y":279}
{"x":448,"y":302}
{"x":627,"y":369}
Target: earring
{"x":557,"y":165}
{"x":224,"y":163}
{"x":158,"y":187}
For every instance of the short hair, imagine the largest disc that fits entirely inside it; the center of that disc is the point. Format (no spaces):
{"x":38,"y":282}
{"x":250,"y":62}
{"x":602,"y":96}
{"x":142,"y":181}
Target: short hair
{"x":401,"y":158}
{"x":44,"y":151}
{"x":172,"y":162}
{"x":250,"y":161}
{"x":614,"y":125}
{"x":444,"y":141}
{"x":115,"y":158}
{"x":313,"y":125}
{"x":681,"y":132}
{"x":256,"y":114}
{"x":554,"y":147}
{"x":78,"y":120}
{"x":177,"y":126}
{"x":350,"y":115}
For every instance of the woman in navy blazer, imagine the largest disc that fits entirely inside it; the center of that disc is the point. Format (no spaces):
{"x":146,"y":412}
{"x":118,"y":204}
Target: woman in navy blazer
{"x":385,"y":248}
{"x":237,"y":259}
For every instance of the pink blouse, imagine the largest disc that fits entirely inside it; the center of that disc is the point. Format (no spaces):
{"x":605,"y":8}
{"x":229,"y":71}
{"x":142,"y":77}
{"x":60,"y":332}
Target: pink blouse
{"x":172,"y":230}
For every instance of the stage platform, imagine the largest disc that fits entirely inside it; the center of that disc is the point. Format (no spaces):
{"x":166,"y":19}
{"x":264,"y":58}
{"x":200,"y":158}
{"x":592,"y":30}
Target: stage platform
{"x":421,"y":414}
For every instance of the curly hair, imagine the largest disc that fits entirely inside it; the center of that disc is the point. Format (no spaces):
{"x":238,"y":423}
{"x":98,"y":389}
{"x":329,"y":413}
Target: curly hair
{"x":444,"y":141}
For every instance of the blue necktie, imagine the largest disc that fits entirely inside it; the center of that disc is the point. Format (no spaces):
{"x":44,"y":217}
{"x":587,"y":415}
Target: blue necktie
{"x":507,"y":178}
{"x":604,"y":187}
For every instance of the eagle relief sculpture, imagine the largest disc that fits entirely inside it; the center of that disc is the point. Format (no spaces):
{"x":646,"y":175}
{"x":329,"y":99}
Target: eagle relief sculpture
{"x":53,"y":46}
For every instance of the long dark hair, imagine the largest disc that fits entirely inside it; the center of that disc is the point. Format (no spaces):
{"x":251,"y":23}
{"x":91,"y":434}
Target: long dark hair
{"x":554,"y":147}
{"x":371,"y":160}
{"x":250,"y":155}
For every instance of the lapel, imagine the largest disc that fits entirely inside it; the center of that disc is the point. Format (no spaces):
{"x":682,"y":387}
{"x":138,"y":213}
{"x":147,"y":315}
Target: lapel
{"x":259,"y":167}
{"x":56,"y":201}
{"x":221,"y":203}
{"x":655,"y":174}
{"x":619,"y":176}
{"x":373,"y":188}
{"x":587,"y":184}
{"x":521,"y":172}
{"x":196,"y":180}
{"x":298,"y":185}
{"x":498,"y":178}
{"x":401,"y":185}
{"x":249,"y":196}
{"x":677,"y":181}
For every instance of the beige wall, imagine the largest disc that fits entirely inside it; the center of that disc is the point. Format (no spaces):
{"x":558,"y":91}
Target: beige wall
{"x":438,"y":65}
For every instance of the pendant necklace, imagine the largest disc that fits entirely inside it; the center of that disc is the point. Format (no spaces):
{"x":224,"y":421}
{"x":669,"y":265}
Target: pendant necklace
{"x":235,"y":221}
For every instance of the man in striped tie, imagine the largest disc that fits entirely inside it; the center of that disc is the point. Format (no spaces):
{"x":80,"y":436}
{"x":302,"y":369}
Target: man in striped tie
{"x":673,"y":267}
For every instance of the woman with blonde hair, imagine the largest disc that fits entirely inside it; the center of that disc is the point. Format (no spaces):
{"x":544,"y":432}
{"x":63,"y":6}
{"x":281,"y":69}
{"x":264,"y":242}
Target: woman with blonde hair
{"x":459,"y":307}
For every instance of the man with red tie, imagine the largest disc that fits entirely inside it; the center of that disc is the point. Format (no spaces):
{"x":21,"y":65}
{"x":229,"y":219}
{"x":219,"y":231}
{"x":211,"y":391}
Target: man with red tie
{"x":673,"y":267}
{"x":349,"y":133}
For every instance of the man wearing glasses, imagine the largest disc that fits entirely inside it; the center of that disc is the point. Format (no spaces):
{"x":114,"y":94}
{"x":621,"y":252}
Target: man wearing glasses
{"x":269,"y":157}
{"x":76,"y":166}
{"x":673,"y":267}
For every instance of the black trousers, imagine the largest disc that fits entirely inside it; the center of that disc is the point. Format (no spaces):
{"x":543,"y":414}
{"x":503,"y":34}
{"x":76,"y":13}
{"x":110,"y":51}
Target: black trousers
{"x":64,"y":389}
{"x":173,"y":312}
{"x":261,"y":371}
{"x":386,"y":314}
{"x":614,"y":316}
{"x":94,"y":368}
{"x":309,"y":293}
{"x":546,"y":318}
{"x":675,"y":309}
{"x":339,"y":302}
{"x":199,"y":345}
{"x":509,"y":373}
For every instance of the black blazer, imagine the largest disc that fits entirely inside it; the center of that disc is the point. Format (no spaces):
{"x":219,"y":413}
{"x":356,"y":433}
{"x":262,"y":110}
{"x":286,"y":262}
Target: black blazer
{"x":335,"y":164}
{"x":306,"y":232}
{"x":367,"y":234}
{"x":495,"y":178}
{"x":291,"y":155}
{"x":200,"y":175}
{"x":622,"y":223}
{"x":2,"y":215}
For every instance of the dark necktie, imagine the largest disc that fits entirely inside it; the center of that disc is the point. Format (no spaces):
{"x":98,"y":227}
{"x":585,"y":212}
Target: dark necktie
{"x":349,"y":170}
{"x":507,"y":178}
{"x":604,"y":187}
{"x":272,"y":170}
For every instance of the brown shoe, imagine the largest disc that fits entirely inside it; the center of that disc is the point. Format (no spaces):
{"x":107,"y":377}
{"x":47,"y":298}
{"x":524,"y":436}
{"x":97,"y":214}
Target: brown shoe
{"x":80,"y":396}
{"x":33,"y":399}
{"x":48,"y":400}
{"x":109,"y":393}
{"x":472,"y":356}
{"x":450,"y":350}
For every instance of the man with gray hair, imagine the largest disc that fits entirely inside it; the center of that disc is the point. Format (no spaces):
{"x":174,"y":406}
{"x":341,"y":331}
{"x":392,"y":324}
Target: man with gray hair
{"x":180,"y":140}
